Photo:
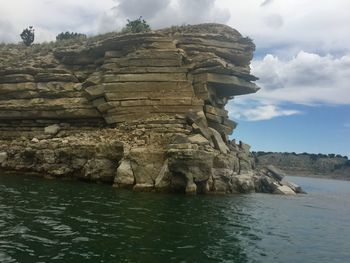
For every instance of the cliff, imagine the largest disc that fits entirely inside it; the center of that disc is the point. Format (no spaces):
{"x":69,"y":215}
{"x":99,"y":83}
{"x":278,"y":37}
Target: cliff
{"x":304,"y":164}
{"x":144,"y":110}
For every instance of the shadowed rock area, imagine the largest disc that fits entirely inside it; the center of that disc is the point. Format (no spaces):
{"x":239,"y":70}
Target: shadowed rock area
{"x":143,"y":111}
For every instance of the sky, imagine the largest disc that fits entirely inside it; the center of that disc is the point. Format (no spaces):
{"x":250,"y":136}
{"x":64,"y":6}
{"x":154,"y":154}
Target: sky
{"x":302,"y":58}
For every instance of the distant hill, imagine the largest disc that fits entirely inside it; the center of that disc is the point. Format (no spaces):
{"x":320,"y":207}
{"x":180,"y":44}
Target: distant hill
{"x":305,"y":164}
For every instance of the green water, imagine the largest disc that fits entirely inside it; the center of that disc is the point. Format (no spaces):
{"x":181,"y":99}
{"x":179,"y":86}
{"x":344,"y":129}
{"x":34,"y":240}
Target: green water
{"x":59,"y":221}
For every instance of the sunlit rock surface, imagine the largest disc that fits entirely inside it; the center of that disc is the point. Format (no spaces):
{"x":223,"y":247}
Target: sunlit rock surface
{"x":143,"y":111}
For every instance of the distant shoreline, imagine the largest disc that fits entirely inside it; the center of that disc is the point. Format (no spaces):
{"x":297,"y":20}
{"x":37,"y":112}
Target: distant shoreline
{"x":329,"y":166}
{"x":318,"y":176}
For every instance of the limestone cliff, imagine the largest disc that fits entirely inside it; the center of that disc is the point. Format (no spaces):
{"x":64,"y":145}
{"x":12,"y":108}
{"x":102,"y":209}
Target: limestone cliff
{"x":145,"y":110}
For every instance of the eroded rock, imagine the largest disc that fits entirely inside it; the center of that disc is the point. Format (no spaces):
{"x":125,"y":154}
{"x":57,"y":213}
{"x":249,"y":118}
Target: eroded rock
{"x":52,"y":129}
{"x":143,"y":111}
{"x":125,"y":175}
{"x":3,"y":157}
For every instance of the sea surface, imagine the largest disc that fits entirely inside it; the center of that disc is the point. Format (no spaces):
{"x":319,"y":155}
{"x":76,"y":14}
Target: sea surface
{"x":61,"y":221}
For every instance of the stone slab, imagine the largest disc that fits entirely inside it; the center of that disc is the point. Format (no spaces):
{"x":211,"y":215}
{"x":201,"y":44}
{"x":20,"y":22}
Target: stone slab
{"x":144,"y":62}
{"x":135,"y":95}
{"x":220,"y":127}
{"x":168,"y":77}
{"x":75,"y":113}
{"x":47,"y":77}
{"x":218,"y":141}
{"x":215,"y":110}
{"x":122,"y":70}
{"x":149,"y":86}
{"x":214,"y":118}
{"x":16,"y":78}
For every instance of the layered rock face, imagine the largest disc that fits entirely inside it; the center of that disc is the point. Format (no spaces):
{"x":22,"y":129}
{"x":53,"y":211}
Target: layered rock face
{"x":143,"y":111}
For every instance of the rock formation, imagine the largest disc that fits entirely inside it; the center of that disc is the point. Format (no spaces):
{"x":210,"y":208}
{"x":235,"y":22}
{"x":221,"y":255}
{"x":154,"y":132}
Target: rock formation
{"x":143,"y":111}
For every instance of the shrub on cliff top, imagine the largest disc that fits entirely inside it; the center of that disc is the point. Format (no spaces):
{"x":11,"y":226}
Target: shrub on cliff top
{"x":69,"y":35}
{"x":27,"y":36}
{"x":136,"y":26}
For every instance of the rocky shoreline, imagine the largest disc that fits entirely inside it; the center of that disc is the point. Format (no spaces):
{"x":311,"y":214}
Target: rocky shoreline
{"x":142,"y":111}
{"x":123,"y":158}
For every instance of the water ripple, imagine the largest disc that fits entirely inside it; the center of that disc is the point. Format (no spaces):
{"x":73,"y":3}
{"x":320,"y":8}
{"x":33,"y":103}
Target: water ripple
{"x":57,"y":221}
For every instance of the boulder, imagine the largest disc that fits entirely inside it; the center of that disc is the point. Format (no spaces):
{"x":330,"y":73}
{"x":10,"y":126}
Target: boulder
{"x":265,"y":184}
{"x":218,"y":141}
{"x":243,"y":183}
{"x":202,"y":130}
{"x":198,"y":139}
{"x":3,"y":157}
{"x":52,"y":129}
{"x":296,"y":188}
{"x":35,"y":140}
{"x":275,"y":172}
{"x":284,"y":190}
{"x":199,"y":123}
{"x":125,"y":176}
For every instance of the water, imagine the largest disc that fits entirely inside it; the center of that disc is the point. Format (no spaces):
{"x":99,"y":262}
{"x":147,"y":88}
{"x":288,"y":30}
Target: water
{"x":59,"y":221}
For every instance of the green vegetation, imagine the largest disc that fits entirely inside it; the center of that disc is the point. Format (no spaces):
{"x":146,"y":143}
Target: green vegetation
{"x":136,"y":26}
{"x":27,"y":36}
{"x":69,"y":35}
{"x":74,"y":39}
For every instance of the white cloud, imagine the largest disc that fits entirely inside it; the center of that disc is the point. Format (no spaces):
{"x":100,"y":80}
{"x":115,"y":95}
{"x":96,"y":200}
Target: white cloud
{"x":266,"y":2}
{"x":241,"y":109}
{"x":283,"y":27}
{"x":273,"y":20}
{"x":314,"y":26}
{"x":92,"y":17}
{"x":163,"y":13}
{"x":49,"y":17}
{"x":305,"y":79}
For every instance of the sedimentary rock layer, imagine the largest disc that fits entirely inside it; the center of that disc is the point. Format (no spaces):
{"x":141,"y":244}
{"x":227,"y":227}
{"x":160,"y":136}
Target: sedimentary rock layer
{"x":145,"y":110}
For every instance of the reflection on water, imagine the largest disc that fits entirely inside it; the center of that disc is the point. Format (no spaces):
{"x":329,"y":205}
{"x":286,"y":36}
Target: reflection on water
{"x":58,"y":221}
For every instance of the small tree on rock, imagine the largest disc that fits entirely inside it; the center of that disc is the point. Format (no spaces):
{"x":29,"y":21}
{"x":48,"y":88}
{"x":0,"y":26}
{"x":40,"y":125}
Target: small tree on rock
{"x":27,"y":36}
{"x":136,"y":26}
{"x":69,"y":35}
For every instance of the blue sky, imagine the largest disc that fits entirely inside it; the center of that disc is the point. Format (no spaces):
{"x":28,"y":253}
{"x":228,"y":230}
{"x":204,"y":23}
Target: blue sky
{"x":302,"y":58}
{"x":317,"y":129}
